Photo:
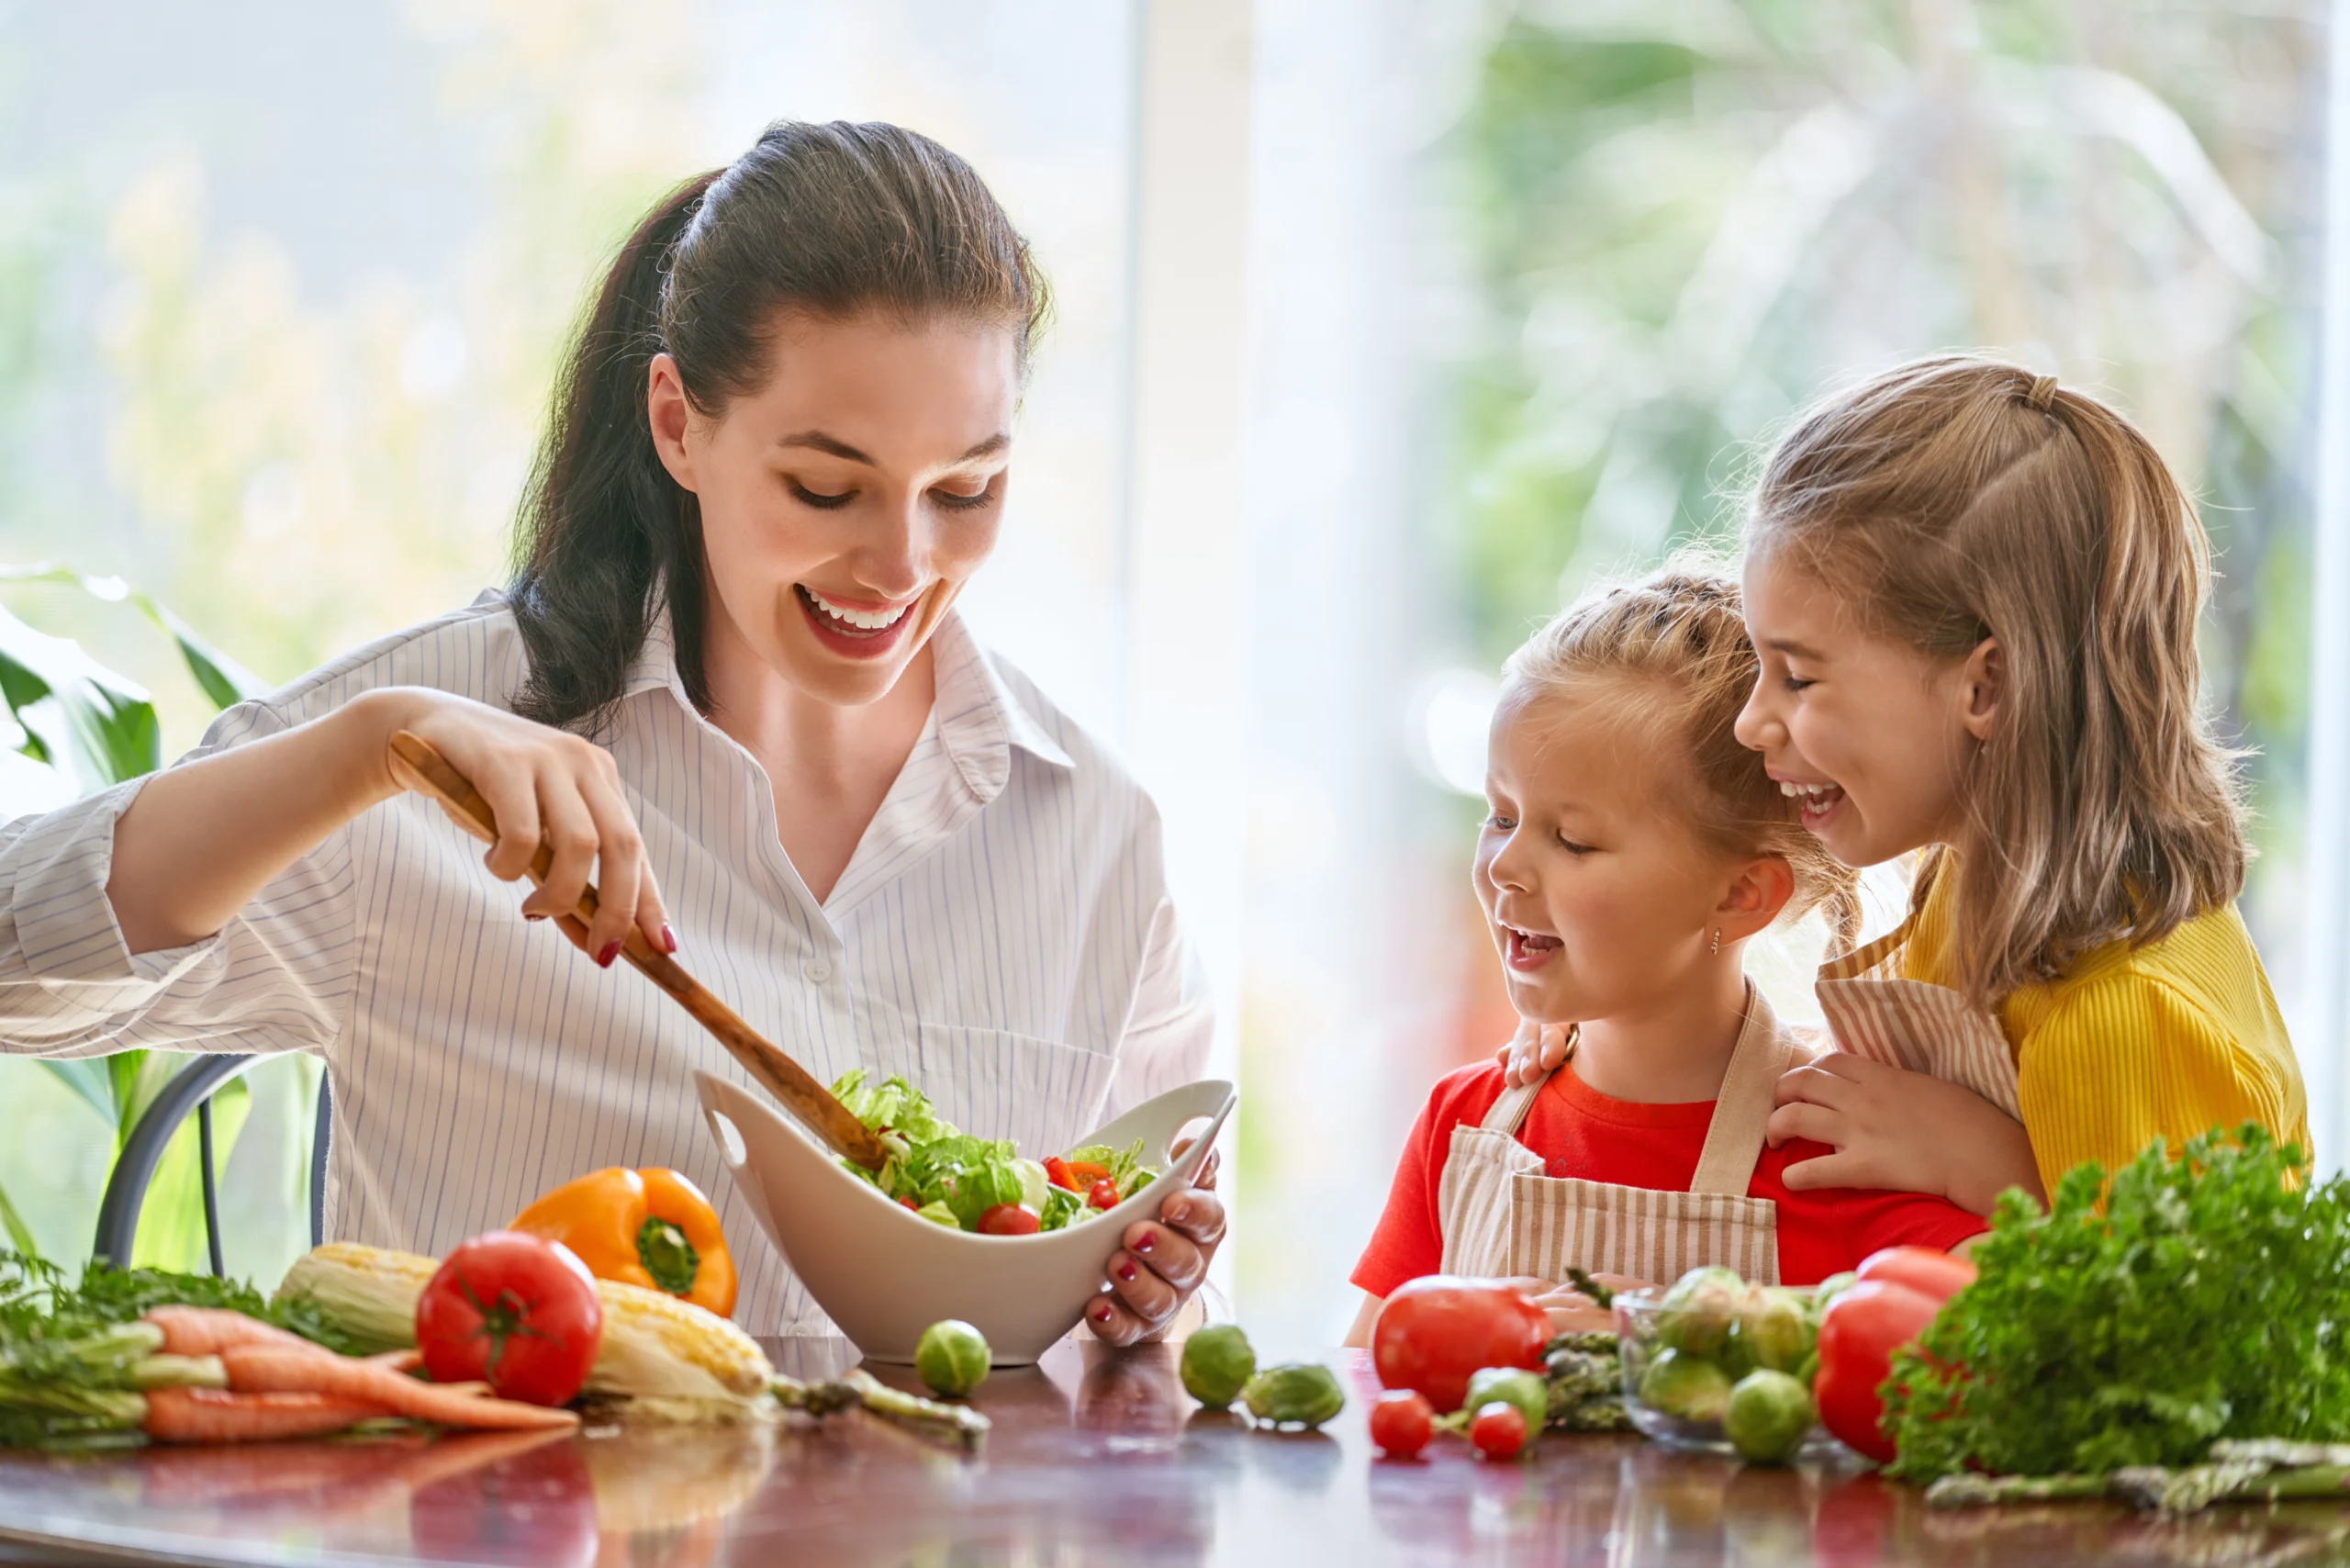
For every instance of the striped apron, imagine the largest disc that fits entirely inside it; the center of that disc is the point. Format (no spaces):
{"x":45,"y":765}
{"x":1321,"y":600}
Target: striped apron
{"x":1875,"y":1012}
{"x":1501,"y":1217}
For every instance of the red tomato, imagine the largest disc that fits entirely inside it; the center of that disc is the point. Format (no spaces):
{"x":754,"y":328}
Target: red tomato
{"x":1008,"y":1219}
{"x":1435,"y":1333}
{"x":1401,"y":1422}
{"x":1056,"y":1171}
{"x":1104,"y":1194}
{"x":1858,"y":1335}
{"x":1923,"y":1269}
{"x":516,"y":1310}
{"x":1498,"y":1431}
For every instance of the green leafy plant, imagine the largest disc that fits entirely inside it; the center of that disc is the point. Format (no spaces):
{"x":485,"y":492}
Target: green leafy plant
{"x":2201,"y":1298}
{"x":76,"y":727}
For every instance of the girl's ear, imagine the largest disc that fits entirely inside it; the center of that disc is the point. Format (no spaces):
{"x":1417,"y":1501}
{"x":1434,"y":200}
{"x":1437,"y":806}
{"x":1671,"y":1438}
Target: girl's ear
{"x":1761,"y":890}
{"x":666,"y":410}
{"x":1981,"y":686}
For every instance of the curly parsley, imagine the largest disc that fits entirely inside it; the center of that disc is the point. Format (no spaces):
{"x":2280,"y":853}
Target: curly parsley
{"x":2204,"y":1297}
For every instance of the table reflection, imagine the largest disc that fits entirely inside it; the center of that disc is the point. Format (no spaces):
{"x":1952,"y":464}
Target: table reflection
{"x":1097,"y":1457}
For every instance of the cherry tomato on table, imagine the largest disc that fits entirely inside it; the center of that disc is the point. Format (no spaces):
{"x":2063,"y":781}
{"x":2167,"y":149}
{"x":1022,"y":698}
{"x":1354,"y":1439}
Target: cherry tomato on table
{"x":1499,"y":1430}
{"x":1008,"y":1219}
{"x":1400,"y":1423}
{"x":515,"y":1310}
{"x":1435,"y":1333}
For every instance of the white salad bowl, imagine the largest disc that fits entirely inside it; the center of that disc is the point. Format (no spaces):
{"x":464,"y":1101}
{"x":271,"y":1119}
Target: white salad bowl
{"x":883,"y":1274}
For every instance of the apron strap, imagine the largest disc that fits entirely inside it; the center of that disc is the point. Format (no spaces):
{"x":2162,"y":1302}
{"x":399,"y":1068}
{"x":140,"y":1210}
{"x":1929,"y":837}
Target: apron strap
{"x":1509,"y":1112}
{"x":1743,"y":1111}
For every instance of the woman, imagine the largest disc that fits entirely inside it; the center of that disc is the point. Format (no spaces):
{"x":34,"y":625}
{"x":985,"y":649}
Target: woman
{"x":727,"y":682}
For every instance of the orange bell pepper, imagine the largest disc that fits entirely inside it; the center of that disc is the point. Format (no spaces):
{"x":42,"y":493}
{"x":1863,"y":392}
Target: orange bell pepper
{"x":641,"y":1227}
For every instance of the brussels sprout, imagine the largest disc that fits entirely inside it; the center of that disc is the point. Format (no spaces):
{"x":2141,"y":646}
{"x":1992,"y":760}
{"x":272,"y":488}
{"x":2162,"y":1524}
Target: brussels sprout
{"x":1696,"y":1314}
{"x":1770,"y":1414}
{"x":952,"y":1358}
{"x":1678,"y":1384}
{"x":1217,"y":1364}
{"x":1300,"y":1393}
{"x":1776,"y":1326}
{"x":1513,"y":1386}
{"x":1828,"y":1289}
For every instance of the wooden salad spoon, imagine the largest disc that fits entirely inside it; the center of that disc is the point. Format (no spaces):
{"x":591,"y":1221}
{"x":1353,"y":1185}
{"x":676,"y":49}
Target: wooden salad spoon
{"x":417,"y":763}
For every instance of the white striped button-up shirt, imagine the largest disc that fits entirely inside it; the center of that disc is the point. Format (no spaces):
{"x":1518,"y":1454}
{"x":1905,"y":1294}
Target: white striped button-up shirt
{"x":1002,"y":936}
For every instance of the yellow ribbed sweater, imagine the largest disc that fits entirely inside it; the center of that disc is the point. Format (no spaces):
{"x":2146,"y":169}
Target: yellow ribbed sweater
{"x":2128,"y":1044}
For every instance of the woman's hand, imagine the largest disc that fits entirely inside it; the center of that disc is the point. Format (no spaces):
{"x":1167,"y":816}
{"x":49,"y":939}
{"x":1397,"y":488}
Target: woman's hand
{"x":548,"y":785}
{"x":1162,"y":1263}
{"x":1901,"y":1131}
{"x":200,"y":841}
{"x":1537,"y":1051}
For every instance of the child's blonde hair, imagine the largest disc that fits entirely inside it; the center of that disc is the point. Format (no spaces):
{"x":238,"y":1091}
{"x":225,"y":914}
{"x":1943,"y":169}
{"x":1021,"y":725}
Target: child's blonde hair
{"x":1959,"y":499}
{"x":1675,"y":644}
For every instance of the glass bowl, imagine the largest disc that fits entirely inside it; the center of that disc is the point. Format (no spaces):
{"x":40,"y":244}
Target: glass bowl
{"x":1637,"y":1341}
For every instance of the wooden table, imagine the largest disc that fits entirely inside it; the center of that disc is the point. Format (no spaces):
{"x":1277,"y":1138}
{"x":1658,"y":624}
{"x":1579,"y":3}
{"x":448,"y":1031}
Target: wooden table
{"x":1097,"y":1458}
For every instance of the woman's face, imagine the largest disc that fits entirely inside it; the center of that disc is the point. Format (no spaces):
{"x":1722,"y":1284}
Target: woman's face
{"x":844,"y":504}
{"x":1602,"y":901}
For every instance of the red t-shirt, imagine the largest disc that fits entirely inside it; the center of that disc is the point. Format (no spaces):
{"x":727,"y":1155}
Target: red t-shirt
{"x":1580,"y":1132}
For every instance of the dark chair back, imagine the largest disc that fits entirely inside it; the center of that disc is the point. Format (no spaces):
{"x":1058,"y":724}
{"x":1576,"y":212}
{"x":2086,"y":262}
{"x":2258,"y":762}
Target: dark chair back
{"x":191,"y":1088}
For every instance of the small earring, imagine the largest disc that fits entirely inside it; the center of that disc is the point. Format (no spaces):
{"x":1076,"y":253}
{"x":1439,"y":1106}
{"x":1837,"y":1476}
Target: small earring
{"x":1717,"y":939}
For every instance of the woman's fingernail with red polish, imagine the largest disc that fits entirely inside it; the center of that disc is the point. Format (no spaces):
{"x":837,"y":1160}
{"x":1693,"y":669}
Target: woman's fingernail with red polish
{"x":1125,"y":1270}
{"x":611,"y":950}
{"x":1101,"y":1313}
{"x":528,"y":916}
{"x":669,"y":938}
{"x":1146,"y":1243}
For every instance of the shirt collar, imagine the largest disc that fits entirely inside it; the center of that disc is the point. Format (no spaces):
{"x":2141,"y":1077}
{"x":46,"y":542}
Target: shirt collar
{"x":978,"y":716}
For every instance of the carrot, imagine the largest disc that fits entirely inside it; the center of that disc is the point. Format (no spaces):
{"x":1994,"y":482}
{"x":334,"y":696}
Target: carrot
{"x":405,"y":1360}
{"x":308,"y":1369}
{"x":209,"y":1330}
{"x":216,"y":1415}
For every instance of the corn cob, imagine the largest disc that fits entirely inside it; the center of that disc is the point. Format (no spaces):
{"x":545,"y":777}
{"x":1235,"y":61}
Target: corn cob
{"x":656,"y":1345}
{"x":370,"y":1291}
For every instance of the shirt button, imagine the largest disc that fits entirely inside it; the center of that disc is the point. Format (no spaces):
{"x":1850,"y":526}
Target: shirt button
{"x":818,"y":971}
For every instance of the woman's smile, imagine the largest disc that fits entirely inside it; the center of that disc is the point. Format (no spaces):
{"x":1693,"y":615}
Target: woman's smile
{"x":856,"y":629}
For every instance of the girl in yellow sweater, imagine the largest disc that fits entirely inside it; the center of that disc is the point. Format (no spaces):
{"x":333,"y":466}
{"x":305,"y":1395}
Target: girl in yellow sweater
{"x":1975,"y":594}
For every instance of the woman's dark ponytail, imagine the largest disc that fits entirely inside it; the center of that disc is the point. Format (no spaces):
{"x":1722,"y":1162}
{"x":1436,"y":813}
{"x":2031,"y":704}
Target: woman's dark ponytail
{"x":825,"y":220}
{"x":606,"y":532}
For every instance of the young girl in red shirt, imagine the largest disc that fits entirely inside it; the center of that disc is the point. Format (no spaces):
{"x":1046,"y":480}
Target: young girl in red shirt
{"x":1631,"y":851}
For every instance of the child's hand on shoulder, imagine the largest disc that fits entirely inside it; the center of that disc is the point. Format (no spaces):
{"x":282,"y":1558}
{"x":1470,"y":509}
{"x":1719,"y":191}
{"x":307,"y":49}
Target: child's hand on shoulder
{"x":1901,"y":1131}
{"x":1537,"y":1051}
{"x":1570,"y":1311}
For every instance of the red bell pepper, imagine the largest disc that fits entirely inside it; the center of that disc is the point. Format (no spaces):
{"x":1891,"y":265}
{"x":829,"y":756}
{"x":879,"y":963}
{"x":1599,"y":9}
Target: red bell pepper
{"x":1899,"y":1291}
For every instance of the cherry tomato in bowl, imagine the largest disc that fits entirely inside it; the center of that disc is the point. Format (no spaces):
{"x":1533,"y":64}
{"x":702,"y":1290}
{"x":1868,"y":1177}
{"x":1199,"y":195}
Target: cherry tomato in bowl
{"x":1104,"y":1194}
{"x":1010,"y":1219}
{"x":515,"y":1311}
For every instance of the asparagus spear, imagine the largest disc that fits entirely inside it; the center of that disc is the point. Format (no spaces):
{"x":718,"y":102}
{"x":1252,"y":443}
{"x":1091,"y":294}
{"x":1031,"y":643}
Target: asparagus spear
{"x":957,"y":1424}
{"x":2200,"y":1486}
{"x":1967,"y":1491}
{"x":1600,"y":1295}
